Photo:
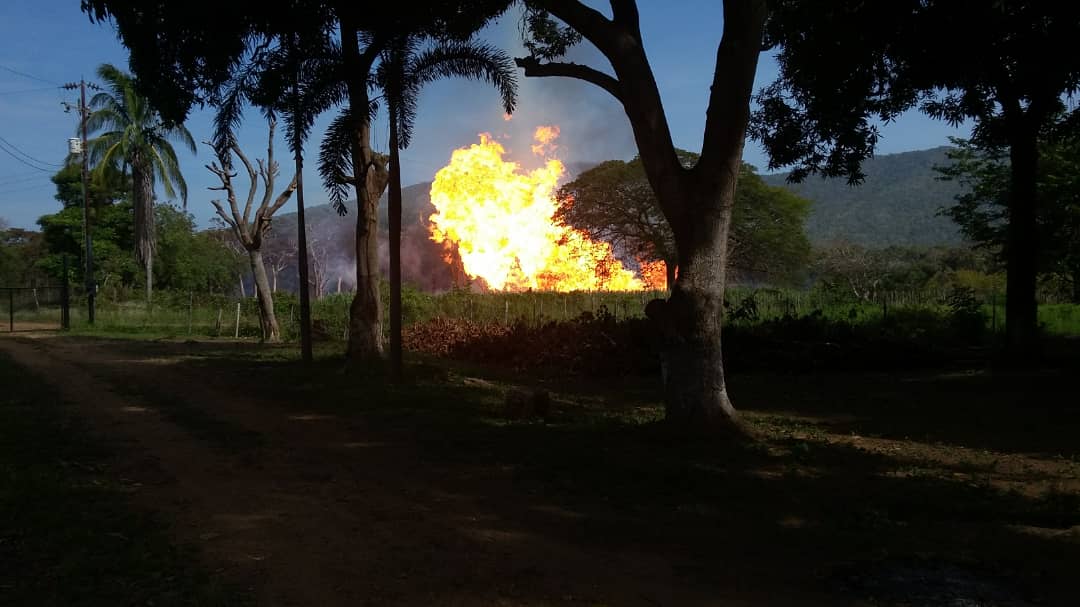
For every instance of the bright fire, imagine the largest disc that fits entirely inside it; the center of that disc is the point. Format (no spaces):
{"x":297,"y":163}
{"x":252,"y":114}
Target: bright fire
{"x":500,"y":219}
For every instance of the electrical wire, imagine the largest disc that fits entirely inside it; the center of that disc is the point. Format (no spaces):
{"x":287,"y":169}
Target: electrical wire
{"x":28,"y":156}
{"x":49,"y":88}
{"x":5,"y":150}
{"x":25,"y":75}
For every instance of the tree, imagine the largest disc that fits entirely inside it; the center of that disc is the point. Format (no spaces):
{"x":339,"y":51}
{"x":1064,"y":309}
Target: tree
{"x":1004,"y":65}
{"x":107,"y":186}
{"x":697,"y":201}
{"x":20,"y":254}
{"x":185,"y":58}
{"x":983,"y":211}
{"x":114,"y":243}
{"x":403,"y":70}
{"x":190,"y":260}
{"x":136,"y":136}
{"x":614,"y":202}
{"x":279,"y":252}
{"x":249,"y":229}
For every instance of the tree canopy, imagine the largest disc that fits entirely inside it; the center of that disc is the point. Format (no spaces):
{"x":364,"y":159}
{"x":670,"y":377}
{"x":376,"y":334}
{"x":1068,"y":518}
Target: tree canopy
{"x":614,"y":202}
{"x":844,"y":68}
{"x":982,"y":211}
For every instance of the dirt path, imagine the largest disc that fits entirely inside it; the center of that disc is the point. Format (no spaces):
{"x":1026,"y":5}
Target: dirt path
{"x":316,"y":510}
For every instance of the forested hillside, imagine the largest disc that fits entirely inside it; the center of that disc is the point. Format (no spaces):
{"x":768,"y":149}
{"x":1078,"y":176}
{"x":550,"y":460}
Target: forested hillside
{"x":897,"y":204}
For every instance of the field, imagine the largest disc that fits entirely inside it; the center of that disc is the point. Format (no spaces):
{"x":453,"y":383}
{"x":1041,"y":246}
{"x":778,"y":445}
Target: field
{"x":198,"y":315}
{"x":274,"y":484}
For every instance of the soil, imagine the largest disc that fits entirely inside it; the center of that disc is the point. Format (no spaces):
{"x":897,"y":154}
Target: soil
{"x":305,"y":507}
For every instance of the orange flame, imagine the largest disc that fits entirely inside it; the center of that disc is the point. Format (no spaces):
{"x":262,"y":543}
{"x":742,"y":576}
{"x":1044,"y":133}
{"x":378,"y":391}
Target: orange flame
{"x":545,"y":137}
{"x":654,"y":274}
{"x":500,"y":219}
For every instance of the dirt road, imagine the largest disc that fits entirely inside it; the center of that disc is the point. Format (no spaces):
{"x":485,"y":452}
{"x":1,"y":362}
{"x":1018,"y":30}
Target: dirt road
{"x":310,"y":509}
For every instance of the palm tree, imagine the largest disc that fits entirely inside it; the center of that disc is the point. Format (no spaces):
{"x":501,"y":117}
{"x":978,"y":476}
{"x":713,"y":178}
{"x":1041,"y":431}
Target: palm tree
{"x":402,"y":72}
{"x":135,"y":137}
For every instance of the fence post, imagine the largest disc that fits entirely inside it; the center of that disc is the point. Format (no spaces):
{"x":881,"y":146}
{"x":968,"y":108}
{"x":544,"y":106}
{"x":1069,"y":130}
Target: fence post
{"x":506,"y":312}
{"x":236,"y":334}
{"x":65,"y":298}
{"x":11,"y":308}
{"x":993,"y":312}
{"x":190,"y":305}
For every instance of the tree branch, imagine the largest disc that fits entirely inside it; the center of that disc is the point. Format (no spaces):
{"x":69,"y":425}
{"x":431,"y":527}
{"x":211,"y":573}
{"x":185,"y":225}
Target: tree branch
{"x":589,"y":22}
{"x":533,"y":68}
{"x":252,"y":174}
{"x":733,"y":83}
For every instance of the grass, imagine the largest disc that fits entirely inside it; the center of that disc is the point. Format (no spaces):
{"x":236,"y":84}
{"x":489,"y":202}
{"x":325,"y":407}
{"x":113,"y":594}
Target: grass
{"x":179,"y":315}
{"x":68,"y":535}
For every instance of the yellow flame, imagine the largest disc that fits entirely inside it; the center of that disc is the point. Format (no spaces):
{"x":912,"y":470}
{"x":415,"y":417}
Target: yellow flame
{"x":501,"y":220}
{"x":545,"y":137}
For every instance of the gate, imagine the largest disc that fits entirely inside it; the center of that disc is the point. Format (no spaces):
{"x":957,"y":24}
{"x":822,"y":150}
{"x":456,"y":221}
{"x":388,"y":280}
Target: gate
{"x":35,"y":308}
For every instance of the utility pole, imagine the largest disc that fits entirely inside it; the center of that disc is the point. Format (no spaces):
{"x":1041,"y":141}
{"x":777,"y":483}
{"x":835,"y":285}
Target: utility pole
{"x":91,"y":284}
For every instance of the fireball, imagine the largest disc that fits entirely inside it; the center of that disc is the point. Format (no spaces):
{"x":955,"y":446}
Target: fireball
{"x":500,"y":218}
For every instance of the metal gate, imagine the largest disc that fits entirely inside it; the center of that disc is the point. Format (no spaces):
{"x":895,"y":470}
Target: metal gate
{"x":35,"y":308}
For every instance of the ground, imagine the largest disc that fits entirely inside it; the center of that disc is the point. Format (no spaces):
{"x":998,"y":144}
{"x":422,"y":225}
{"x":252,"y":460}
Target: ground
{"x":321,"y":487}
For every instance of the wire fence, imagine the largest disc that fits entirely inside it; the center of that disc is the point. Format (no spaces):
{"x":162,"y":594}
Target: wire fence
{"x":33,"y":308}
{"x":214,"y":315}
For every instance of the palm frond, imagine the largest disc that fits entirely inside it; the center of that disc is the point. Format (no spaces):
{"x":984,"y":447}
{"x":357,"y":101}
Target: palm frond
{"x":335,"y":159}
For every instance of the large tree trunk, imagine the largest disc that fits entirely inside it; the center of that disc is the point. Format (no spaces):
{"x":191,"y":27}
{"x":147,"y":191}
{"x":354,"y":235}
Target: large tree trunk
{"x":394,"y":212}
{"x":369,"y":172}
{"x":145,"y":236}
{"x":1022,"y":252}
{"x":267,"y":320}
{"x":695,"y":386}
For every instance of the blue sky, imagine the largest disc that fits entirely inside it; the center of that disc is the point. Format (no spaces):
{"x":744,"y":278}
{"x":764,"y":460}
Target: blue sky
{"x":50,"y":42}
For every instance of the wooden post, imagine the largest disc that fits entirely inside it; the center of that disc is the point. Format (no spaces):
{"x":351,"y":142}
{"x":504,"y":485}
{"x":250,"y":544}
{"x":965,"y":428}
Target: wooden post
{"x":65,"y":298}
{"x":993,"y":312}
{"x":11,"y":309}
{"x":191,"y":304}
{"x":506,"y":312}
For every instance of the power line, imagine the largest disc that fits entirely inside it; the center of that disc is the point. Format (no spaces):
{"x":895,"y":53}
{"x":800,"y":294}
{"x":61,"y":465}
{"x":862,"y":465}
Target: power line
{"x":19,"y":92}
{"x":9,"y":153}
{"x":28,"y":156}
{"x":25,"y":75}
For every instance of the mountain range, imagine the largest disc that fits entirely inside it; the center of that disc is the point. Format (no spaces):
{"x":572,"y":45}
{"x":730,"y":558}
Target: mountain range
{"x":897,"y":204}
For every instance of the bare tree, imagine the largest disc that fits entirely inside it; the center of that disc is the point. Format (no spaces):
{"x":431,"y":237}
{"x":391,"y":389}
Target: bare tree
{"x":279,"y":252}
{"x":321,"y":247}
{"x":249,"y":229}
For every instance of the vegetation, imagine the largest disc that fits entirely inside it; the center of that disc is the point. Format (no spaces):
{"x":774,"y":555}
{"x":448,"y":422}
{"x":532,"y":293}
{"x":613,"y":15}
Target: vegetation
{"x":817,"y":117}
{"x":131,"y":134}
{"x":982,"y":212}
{"x":614,"y":202}
{"x":249,"y":230}
{"x":404,"y":69}
{"x":697,"y":202}
{"x":897,"y":203}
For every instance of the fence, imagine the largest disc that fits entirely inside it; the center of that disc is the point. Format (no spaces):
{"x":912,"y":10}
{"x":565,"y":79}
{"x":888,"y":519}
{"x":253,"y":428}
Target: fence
{"x":35,"y":308}
{"x":203,"y":315}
